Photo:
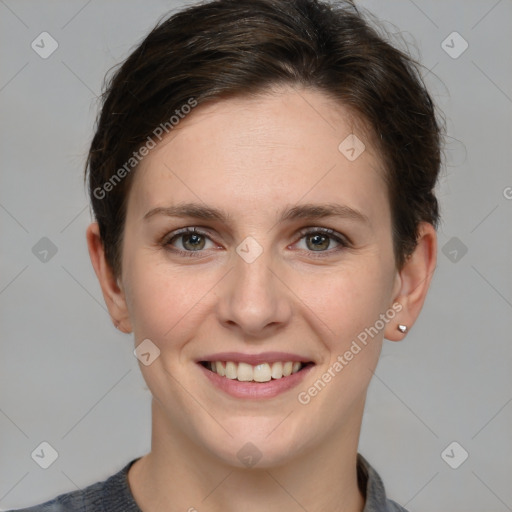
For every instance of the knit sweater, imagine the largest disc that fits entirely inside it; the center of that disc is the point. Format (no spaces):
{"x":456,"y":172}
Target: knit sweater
{"x":114,"y":495}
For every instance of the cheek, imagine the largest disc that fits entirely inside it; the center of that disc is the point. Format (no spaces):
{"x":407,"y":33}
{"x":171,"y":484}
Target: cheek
{"x":349,"y":299}
{"x":164,"y":301}
{"x":351,"y":304}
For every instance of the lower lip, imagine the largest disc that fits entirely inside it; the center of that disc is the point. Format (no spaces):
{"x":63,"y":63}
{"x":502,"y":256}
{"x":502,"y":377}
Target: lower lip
{"x":268,"y":389}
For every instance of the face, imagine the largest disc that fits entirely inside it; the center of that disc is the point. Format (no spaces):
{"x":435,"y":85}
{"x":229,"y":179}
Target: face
{"x":269,"y":277}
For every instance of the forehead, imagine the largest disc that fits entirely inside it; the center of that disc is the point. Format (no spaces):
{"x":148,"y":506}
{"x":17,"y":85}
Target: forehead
{"x":254,"y":152}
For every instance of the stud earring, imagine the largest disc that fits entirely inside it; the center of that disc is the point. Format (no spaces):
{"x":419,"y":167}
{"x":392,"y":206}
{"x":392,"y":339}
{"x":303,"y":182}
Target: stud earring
{"x":402,"y":328}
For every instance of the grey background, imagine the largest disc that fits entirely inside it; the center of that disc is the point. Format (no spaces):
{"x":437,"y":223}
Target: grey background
{"x":69,"y":378}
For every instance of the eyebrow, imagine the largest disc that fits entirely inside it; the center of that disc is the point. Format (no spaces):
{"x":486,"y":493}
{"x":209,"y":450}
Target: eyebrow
{"x":304,"y":211}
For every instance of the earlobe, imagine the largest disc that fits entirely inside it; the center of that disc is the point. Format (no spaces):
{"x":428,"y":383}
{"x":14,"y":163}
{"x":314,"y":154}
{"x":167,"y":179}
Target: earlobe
{"x":413,"y":282}
{"x":112,"y":291}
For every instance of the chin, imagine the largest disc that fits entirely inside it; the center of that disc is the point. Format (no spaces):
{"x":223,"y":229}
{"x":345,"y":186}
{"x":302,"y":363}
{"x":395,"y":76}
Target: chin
{"x":252,"y":446}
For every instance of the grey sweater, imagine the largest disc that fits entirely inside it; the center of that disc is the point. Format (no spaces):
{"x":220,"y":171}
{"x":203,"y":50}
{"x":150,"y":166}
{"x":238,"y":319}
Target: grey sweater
{"x":113,"y":494}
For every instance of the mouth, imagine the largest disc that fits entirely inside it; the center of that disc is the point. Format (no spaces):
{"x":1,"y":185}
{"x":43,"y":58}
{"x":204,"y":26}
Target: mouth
{"x":258,"y":373}
{"x":254,"y":376}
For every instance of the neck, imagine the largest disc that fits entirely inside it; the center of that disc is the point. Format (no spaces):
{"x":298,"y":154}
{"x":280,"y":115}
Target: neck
{"x":178,"y":475}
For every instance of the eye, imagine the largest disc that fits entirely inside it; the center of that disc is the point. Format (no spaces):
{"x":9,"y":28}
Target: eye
{"x":192,"y":240}
{"x":320,"y":239}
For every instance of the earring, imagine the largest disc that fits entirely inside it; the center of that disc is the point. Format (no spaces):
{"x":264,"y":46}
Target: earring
{"x":402,"y":328}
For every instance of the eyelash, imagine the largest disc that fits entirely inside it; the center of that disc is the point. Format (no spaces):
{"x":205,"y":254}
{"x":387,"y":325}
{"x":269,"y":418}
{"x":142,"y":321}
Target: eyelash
{"x":340,"y":239}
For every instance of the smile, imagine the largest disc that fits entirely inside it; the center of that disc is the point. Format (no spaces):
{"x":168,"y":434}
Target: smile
{"x":263,"y":372}
{"x":254,"y":376}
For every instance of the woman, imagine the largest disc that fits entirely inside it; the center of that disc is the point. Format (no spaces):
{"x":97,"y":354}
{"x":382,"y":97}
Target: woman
{"x":262,"y":180}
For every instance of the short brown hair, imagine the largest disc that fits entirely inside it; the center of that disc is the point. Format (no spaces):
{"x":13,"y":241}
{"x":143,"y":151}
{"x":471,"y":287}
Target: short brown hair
{"x":224,"y":48}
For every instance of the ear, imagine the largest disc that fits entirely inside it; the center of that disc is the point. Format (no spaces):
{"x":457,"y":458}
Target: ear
{"x":112,"y":291}
{"x":413,"y":281}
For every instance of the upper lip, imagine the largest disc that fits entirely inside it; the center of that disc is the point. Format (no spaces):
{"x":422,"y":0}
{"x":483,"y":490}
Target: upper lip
{"x":254,"y":359}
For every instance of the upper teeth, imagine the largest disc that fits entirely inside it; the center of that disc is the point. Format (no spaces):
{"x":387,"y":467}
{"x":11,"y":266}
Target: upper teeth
{"x":260,"y":373}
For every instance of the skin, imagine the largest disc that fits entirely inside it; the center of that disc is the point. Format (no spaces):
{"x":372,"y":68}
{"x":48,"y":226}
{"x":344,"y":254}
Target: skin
{"x":253,"y":157}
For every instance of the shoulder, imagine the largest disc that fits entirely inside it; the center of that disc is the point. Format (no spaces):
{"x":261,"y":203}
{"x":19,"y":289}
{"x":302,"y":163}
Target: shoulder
{"x":110,"y":495}
{"x":372,"y":486}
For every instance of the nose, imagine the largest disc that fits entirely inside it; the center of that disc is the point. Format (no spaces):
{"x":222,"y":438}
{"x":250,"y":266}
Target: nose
{"x":254,"y":298}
